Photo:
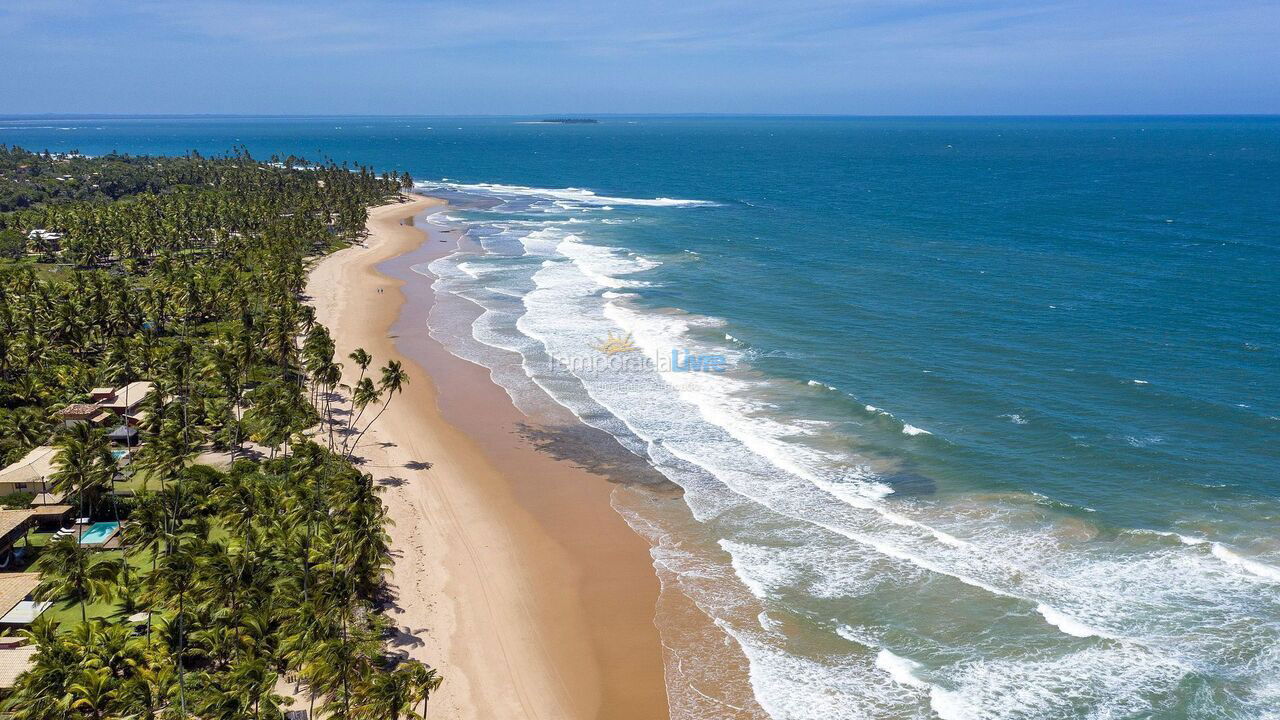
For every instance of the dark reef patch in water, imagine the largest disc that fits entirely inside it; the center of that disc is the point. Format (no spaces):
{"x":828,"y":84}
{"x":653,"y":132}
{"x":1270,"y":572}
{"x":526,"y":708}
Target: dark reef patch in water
{"x":910,"y":483}
{"x":592,"y":450}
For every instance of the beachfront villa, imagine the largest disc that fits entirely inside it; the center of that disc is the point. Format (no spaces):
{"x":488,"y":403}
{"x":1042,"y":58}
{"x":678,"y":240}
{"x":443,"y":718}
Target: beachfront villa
{"x":125,"y":400}
{"x":119,"y":409}
{"x":108,"y":406}
{"x":31,"y":474}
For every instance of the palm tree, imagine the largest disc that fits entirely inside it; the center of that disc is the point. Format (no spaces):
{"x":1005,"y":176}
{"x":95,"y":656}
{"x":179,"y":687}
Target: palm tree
{"x":329,"y":375}
{"x":422,"y":679}
{"x":363,"y":360}
{"x":27,"y":426}
{"x":394,"y":378}
{"x":173,"y":581}
{"x":85,"y":465}
{"x":362,"y":396}
{"x":93,"y":694}
{"x":388,"y":696}
{"x":72,"y":572}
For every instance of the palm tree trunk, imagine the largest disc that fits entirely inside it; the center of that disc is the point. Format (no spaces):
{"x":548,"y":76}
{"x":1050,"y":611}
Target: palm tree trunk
{"x":350,"y":421}
{"x":182,"y":685}
{"x":359,"y":437}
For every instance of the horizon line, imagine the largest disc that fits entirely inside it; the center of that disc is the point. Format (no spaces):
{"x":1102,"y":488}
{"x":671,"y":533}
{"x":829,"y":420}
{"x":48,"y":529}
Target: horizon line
{"x":127,"y":116}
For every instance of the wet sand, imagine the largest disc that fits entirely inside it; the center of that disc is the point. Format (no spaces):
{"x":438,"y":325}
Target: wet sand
{"x":513,"y":575}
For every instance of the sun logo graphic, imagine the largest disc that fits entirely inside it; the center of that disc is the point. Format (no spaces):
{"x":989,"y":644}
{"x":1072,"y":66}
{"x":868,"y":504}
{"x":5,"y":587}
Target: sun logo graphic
{"x":616,"y":344}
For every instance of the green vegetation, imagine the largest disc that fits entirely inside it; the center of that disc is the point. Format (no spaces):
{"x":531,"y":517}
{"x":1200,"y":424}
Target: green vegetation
{"x":188,"y":273}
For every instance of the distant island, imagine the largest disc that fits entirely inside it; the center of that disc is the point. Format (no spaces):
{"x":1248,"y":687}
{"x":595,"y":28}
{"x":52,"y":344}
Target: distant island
{"x":571,"y":121}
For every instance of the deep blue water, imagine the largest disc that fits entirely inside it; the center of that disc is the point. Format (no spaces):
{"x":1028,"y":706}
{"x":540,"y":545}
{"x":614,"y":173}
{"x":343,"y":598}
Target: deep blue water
{"x":999,"y":435}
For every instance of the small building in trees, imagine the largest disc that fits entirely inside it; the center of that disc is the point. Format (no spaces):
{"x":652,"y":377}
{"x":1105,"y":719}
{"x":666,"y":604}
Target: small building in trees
{"x":16,"y":605}
{"x":30,"y":474}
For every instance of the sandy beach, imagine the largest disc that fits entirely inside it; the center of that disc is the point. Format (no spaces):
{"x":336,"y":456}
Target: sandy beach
{"x":512,"y":573}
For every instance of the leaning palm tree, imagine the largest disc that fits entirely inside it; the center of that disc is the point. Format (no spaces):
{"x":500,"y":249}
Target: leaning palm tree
{"x":394,"y":378}
{"x":363,"y":360}
{"x":72,"y":572}
{"x":362,"y":396}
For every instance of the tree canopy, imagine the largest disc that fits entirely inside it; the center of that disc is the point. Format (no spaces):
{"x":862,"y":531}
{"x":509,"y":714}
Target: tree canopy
{"x":187,"y":272}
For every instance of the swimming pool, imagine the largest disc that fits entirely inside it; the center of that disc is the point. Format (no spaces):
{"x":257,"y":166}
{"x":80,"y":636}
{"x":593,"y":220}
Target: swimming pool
{"x":119,"y":453}
{"x":98,"y":533}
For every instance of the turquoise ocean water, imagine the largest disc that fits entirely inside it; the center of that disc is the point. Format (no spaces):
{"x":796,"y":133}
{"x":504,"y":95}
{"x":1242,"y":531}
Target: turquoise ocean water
{"x":998,"y":433}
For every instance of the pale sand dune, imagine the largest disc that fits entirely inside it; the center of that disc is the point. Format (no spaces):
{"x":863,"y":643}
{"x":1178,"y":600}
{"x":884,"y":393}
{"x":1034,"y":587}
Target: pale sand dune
{"x":525,"y":589}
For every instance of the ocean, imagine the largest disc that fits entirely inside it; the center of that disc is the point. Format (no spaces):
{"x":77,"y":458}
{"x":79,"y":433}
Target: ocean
{"x":973,"y":417}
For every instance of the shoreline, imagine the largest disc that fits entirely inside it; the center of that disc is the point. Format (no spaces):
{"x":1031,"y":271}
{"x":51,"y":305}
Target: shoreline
{"x":513,"y":575}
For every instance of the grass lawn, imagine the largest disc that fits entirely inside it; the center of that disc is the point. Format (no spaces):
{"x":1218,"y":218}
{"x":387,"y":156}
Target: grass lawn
{"x":137,"y":481}
{"x":45,"y":271}
{"x":68,"y":615}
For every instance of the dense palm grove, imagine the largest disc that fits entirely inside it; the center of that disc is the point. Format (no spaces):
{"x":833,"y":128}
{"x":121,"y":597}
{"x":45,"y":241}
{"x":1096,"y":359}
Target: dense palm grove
{"x":188,"y":272}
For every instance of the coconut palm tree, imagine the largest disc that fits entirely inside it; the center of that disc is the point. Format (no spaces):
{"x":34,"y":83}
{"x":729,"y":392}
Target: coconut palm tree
{"x":394,"y":378}
{"x":85,"y":467}
{"x":387,"y":696}
{"x":172,"y":583}
{"x":424,"y":681}
{"x":72,"y":573}
{"x":363,"y":360}
{"x":362,"y":396}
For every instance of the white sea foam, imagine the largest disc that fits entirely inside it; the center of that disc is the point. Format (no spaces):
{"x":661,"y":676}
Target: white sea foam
{"x":737,"y":458}
{"x":1112,"y":681}
{"x":1253,"y":567}
{"x":542,"y":242}
{"x":602,"y":264}
{"x":815,"y":383}
{"x":1067,"y":624}
{"x":574,"y":196}
{"x":909,"y":429}
{"x":902,"y":670}
{"x":1184,"y":539}
{"x":790,"y":686}
{"x":1015,"y":419}
{"x":759,"y":576}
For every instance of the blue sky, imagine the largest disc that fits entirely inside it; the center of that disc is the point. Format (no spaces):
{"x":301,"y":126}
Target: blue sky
{"x":725,"y":56}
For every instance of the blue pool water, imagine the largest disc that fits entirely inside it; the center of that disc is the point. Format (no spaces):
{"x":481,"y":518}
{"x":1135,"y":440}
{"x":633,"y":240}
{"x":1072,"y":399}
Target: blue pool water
{"x":97,"y":533}
{"x":998,"y":437}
